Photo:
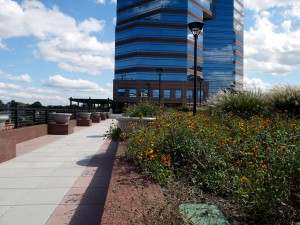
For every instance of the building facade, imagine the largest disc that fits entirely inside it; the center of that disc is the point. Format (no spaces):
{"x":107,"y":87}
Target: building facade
{"x":154,"y":50}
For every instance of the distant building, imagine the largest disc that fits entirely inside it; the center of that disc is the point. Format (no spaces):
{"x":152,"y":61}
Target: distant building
{"x":153,"y":35}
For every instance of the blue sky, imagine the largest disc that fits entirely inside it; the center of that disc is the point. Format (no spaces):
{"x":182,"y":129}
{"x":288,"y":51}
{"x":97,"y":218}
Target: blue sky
{"x":51,"y":50}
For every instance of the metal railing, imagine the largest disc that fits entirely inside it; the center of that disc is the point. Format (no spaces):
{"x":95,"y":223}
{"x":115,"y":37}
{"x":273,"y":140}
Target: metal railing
{"x":22,"y":117}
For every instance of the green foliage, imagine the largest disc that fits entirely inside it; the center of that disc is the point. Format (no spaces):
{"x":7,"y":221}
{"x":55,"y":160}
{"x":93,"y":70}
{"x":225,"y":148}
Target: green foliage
{"x":253,"y":161}
{"x":36,"y":104}
{"x":114,"y":132}
{"x":143,"y":109}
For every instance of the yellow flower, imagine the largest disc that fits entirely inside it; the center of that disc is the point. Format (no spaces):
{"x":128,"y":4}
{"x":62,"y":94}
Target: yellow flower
{"x":149,"y":151}
{"x":244,"y":179}
{"x":263,"y":166}
{"x":151,"y":157}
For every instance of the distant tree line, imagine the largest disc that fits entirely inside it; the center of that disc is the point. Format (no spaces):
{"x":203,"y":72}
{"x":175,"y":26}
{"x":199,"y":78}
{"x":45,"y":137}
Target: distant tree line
{"x":36,"y":104}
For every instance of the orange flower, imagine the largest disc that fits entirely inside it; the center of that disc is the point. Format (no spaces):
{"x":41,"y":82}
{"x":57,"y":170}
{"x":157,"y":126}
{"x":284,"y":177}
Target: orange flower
{"x":244,"y":179}
{"x":243,"y":133}
{"x":255,"y":148}
{"x":166,"y":159}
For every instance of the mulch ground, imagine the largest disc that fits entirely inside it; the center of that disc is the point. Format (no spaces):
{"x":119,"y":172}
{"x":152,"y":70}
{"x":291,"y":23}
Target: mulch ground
{"x":126,"y":193}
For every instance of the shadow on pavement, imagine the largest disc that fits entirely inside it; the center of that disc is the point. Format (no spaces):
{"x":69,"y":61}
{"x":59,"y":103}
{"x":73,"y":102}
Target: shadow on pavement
{"x":84,"y":203}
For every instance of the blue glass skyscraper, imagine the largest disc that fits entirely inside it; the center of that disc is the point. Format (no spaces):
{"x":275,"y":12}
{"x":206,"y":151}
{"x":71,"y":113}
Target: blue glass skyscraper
{"x":153,"y":34}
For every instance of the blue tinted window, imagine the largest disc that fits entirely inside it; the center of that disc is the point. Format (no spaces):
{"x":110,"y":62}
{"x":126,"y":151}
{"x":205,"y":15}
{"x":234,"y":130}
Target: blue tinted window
{"x":155,"y":93}
{"x":167,"y":93}
{"x":132,"y":92}
{"x":177,"y":93}
{"x":189,"y":93}
{"x":121,"y":92}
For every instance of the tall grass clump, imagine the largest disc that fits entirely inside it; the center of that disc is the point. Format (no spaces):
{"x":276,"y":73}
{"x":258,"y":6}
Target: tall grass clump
{"x":246,"y":103}
{"x":285,"y":99}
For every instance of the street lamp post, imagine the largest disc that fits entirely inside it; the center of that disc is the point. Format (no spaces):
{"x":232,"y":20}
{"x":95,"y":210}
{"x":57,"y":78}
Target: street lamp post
{"x":159,"y":71}
{"x":195,"y":28}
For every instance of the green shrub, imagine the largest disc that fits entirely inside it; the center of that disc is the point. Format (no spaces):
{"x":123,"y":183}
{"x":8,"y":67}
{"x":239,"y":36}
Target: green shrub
{"x":143,"y":109}
{"x":114,"y":132}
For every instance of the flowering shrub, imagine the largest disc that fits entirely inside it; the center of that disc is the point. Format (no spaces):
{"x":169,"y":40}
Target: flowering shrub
{"x":253,"y":161}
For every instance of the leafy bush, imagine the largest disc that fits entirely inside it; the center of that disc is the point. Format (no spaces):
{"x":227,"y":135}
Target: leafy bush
{"x":143,"y":109}
{"x":114,"y":132}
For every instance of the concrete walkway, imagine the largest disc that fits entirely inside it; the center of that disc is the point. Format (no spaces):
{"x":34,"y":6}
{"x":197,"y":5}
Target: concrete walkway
{"x":63,"y":181}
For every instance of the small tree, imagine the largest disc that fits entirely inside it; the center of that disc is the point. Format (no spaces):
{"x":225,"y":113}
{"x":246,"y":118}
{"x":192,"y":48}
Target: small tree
{"x":36,"y":104}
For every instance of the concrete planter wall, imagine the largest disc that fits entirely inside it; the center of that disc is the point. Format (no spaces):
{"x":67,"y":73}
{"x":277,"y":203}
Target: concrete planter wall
{"x":3,"y":118}
{"x":61,"y":118}
{"x":9,"y":139}
{"x":95,"y":114}
{"x":84,"y":115}
{"x":125,"y":123}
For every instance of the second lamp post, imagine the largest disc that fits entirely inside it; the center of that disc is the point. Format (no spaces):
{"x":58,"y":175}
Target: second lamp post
{"x":195,"y":28}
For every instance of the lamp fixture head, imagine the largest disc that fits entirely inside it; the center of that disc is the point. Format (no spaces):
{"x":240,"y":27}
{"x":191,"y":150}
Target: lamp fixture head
{"x":159,"y":70}
{"x":196,"y":27}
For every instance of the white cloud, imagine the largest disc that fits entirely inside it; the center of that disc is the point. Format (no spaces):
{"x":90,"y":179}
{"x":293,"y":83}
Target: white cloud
{"x":294,"y":12}
{"x":62,"y":82}
{"x":77,"y":88}
{"x":91,"y":25}
{"x":286,"y":25}
{"x":41,"y":91}
{"x":113,"y":1}
{"x":258,"y":5}
{"x":45,"y":99}
{"x":2,"y":46}
{"x":9,"y":86}
{"x":268,"y":50}
{"x":60,"y":38}
{"x":22,"y":78}
{"x":101,"y":1}
{"x":256,"y":84}
{"x":110,"y":85}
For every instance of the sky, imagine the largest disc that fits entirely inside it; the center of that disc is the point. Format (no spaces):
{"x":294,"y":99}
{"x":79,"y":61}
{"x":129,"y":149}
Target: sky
{"x":51,"y":50}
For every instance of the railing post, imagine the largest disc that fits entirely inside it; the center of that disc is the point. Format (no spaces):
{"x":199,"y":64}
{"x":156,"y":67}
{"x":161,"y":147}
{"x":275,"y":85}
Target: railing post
{"x":33,"y":116}
{"x":47,"y":116}
{"x":17,"y":118}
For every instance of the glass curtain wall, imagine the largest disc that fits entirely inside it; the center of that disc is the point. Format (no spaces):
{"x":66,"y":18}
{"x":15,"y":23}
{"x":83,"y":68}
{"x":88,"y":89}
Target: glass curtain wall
{"x":150,"y":35}
{"x":223,"y":46}
{"x":154,"y":34}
